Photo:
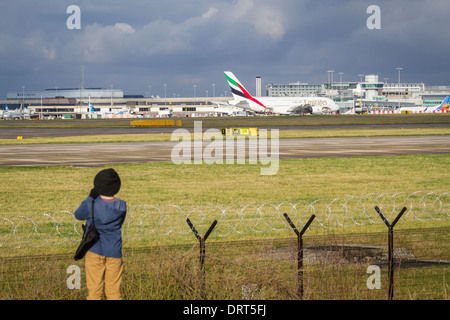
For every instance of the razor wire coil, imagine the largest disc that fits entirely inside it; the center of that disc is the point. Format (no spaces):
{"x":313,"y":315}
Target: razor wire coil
{"x":145,"y":220}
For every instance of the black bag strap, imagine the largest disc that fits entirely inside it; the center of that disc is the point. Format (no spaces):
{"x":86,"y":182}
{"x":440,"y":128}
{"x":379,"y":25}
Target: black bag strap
{"x":92,"y":213}
{"x":92,"y":218}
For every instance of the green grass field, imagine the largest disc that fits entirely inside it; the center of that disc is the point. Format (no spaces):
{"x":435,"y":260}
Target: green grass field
{"x":34,"y":190}
{"x":37,"y":191}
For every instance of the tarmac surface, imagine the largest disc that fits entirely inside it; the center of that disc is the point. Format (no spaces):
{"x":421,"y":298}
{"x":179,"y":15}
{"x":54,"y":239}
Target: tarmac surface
{"x":99,"y":154}
{"x":13,"y":133}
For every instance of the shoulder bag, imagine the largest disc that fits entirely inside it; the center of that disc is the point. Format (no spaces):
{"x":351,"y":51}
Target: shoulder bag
{"x":90,"y":237}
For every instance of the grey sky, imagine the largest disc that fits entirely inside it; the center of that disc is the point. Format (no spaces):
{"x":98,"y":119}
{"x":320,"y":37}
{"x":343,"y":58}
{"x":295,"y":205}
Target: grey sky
{"x":140,"y":43}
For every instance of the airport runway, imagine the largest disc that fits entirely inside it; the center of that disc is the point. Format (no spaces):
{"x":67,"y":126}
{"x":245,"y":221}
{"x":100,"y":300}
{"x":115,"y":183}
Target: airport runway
{"x":93,"y":155}
{"x":13,"y":133}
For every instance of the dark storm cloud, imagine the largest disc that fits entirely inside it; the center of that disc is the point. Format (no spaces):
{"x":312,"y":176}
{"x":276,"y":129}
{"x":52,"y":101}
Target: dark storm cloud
{"x":134,"y":44}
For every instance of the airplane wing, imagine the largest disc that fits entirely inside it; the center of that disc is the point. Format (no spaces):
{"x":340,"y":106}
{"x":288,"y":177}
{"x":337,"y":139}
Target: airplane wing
{"x":242,"y":104}
{"x":300,"y":109}
{"x":239,"y":104}
{"x":221,"y":103}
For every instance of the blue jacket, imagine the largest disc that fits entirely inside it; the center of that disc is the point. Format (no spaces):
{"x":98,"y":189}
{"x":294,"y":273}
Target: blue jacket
{"x":108,"y":219}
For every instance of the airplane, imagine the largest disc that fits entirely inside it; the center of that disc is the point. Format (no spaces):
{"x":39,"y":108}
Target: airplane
{"x":277,"y":105}
{"x":12,"y":115}
{"x":91,"y":108}
{"x":110,"y":114}
{"x":444,"y":106}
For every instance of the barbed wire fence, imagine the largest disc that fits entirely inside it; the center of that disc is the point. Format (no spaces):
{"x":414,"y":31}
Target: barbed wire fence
{"x":144,"y":220}
{"x":262,"y":264}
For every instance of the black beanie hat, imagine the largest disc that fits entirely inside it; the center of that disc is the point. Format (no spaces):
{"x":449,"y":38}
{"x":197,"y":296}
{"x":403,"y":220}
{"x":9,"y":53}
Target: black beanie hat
{"x":107,"y":182}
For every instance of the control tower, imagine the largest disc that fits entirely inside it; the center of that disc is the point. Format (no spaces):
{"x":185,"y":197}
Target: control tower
{"x":372,"y":86}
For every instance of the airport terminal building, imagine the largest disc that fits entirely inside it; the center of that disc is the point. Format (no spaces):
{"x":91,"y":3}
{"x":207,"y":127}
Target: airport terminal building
{"x":352,"y":97}
{"x":111,"y":103}
{"x":368,"y":95}
{"x":85,"y":93}
{"x":297,"y":89}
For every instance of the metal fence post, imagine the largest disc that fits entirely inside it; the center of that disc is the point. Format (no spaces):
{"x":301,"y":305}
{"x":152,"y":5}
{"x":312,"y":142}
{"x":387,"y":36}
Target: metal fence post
{"x":202,"y":241}
{"x":299,"y":252}
{"x":390,"y":248}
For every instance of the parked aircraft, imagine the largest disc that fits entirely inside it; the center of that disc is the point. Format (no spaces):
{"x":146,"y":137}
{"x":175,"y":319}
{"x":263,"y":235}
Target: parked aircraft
{"x":444,"y":106}
{"x":96,"y":113}
{"x":12,"y":115}
{"x":277,"y":105}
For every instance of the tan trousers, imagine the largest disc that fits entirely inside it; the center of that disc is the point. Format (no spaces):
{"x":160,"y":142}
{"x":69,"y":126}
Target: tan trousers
{"x":103,"y":274}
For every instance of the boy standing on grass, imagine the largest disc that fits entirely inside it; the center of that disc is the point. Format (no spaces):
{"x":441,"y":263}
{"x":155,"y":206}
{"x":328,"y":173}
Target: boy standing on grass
{"x":103,"y":262}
